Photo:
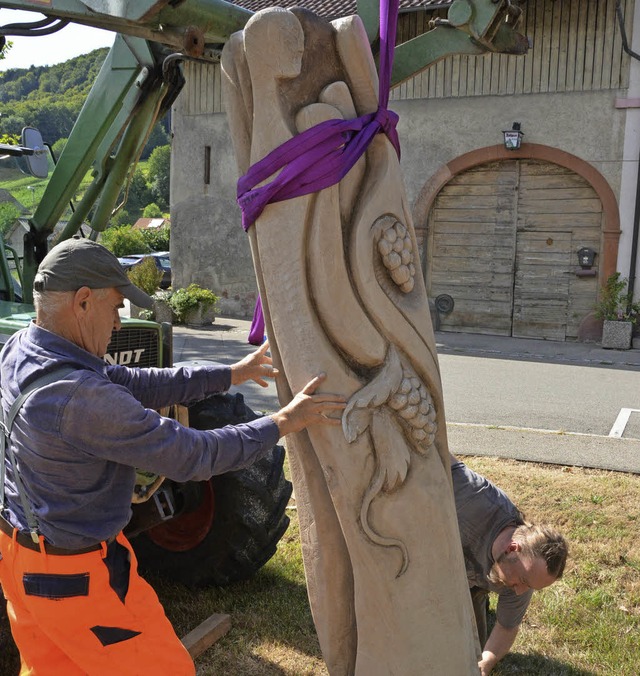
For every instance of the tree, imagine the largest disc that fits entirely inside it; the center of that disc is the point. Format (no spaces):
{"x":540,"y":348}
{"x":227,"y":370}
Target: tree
{"x":124,"y":240}
{"x":139,"y":194}
{"x":157,"y":137}
{"x":4,"y":48}
{"x":59,"y":146}
{"x":152,"y":211}
{"x":159,"y":173}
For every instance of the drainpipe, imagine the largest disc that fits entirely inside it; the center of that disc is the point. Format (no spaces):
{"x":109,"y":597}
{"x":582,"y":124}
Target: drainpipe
{"x":636,"y":213}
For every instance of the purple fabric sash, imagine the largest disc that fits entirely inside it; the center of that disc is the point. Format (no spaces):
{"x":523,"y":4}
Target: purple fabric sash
{"x":322,"y":155}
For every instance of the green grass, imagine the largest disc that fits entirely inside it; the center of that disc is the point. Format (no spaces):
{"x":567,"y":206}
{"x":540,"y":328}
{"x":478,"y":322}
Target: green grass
{"x":586,"y":624}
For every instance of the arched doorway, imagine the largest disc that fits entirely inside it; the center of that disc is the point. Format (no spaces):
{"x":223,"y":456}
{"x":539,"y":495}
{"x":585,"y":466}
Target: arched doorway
{"x":501,"y":239}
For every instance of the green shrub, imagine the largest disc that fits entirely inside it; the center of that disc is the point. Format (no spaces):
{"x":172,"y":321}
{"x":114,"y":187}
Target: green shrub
{"x":124,"y":240}
{"x":152,"y":211}
{"x":157,"y":238}
{"x":183,"y":300}
{"x":146,"y":275}
{"x":615,"y":302}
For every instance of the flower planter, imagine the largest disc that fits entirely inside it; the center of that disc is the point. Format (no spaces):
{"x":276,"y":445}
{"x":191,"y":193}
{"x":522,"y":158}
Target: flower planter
{"x":162,"y":311}
{"x":616,"y":335}
{"x":199,"y":316}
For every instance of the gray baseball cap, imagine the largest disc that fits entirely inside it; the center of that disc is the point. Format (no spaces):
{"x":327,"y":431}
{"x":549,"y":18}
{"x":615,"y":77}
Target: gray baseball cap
{"x":75,"y":263}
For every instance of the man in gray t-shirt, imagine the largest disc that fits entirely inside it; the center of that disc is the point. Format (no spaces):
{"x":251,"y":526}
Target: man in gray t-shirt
{"x":504,"y":555}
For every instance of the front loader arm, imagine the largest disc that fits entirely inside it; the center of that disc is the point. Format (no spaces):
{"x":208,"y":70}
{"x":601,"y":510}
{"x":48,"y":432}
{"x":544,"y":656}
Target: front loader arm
{"x":109,"y":134}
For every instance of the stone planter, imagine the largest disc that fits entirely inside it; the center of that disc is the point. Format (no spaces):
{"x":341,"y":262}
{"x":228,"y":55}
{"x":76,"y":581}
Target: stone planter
{"x":616,"y":335}
{"x":162,"y":311}
{"x":136,"y":312}
{"x":199,"y":316}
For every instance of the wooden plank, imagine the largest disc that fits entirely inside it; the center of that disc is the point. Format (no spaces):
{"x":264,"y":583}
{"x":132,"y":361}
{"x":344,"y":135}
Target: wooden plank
{"x":590,"y":40}
{"x":552,"y":181}
{"x":583,"y":206}
{"x":483,"y":86}
{"x":469,"y":216}
{"x":560,"y":47}
{"x":529,"y":59}
{"x":581,"y":48}
{"x":455,"y":75}
{"x":610,"y":28}
{"x":570,"y":17}
{"x":473,"y":201}
{"x":598,"y":44}
{"x":551,"y":194}
{"x":206,"y":634}
{"x":617,"y":52}
{"x":545,"y":50}
{"x":503,"y":86}
{"x":555,"y":38}
{"x":499,"y":251}
{"x":466,"y":263}
{"x":560,"y":221}
{"x":494,"y":78}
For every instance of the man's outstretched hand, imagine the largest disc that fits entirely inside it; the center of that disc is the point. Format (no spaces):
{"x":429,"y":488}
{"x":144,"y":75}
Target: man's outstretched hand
{"x":255,"y":366}
{"x":308,"y":408}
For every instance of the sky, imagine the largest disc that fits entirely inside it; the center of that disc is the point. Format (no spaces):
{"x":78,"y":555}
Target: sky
{"x":46,"y":50}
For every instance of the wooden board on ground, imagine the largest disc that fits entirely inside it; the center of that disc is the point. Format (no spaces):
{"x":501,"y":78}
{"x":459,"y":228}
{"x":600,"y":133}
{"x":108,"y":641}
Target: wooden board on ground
{"x":206,"y":634}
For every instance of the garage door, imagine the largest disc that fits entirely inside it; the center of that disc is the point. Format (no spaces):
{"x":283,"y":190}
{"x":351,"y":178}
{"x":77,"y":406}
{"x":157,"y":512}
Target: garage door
{"x":502,"y":243}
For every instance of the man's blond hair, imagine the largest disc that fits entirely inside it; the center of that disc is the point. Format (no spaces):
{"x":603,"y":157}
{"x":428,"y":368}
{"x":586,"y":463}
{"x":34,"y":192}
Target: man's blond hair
{"x":545,"y":542}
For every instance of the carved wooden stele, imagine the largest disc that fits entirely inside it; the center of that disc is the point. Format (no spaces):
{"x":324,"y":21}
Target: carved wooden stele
{"x":342,"y":293}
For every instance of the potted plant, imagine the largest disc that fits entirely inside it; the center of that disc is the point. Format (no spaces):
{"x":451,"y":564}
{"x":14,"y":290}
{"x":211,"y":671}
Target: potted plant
{"x":618,"y":312}
{"x":194,"y":305}
{"x":147,"y":277}
{"x":162,"y":310}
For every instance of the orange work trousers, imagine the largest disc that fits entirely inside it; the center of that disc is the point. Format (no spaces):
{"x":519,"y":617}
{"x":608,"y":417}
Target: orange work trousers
{"x":87,"y":614}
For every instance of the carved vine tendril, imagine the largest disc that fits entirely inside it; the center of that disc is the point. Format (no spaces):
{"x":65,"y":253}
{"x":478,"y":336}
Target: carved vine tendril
{"x":397,"y":410}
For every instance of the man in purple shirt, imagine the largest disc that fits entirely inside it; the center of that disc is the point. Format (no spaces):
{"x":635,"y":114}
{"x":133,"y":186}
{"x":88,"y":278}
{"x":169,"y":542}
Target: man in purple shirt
{"x":76,"y":602}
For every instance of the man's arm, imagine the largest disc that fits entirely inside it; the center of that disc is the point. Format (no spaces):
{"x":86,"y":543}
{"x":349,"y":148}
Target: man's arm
{"x":497,"y":646}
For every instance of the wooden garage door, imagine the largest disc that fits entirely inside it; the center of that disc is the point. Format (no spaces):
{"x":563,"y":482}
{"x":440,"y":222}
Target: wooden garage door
{"x":503,"y":241}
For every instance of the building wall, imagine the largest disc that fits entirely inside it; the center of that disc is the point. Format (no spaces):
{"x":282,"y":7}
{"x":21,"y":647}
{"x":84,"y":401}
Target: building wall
{"x":208,"y":244}
{"x":578,"y":117}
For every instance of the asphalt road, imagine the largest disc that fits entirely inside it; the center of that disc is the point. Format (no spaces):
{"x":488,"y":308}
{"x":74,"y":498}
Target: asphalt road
{"x":561,"y":403}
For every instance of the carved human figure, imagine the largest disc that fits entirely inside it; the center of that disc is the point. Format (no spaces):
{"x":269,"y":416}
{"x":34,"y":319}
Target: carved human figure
{"x":339,"y":279}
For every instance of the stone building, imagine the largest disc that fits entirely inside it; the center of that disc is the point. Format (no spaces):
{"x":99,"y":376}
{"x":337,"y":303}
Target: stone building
{"x":499,"y":229}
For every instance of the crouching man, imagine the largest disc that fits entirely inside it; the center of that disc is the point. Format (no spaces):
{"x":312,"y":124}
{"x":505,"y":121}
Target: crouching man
{"x":502,"y":554}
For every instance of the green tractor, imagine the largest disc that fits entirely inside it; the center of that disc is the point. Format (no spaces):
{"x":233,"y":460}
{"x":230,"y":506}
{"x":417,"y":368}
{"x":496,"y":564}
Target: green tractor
{"x":199,"y":533}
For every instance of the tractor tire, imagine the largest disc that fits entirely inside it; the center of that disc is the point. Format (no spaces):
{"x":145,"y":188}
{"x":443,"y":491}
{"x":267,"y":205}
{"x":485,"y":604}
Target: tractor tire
{"x":238,"y":521}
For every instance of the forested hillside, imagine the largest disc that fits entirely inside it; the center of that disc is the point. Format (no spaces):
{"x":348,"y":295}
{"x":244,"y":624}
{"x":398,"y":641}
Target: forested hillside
{"x":47,"y":97}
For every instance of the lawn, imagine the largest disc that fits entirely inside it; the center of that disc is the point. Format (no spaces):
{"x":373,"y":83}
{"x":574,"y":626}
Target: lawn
{"x":587,"y":623}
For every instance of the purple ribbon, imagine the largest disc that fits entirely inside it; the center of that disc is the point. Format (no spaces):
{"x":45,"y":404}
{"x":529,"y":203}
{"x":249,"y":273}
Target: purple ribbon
{"x":320,"y":156}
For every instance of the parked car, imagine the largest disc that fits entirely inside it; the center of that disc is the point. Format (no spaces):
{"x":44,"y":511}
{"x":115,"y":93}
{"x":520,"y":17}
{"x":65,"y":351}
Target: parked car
{"x":160,"y":258}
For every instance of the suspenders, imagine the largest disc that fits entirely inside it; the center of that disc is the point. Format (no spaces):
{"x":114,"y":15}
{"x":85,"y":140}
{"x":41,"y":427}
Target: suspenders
{"x":6,"y":425}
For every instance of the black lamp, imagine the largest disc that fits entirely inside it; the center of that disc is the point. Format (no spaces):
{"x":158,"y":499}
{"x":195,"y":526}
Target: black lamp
{"x":513,"y":137}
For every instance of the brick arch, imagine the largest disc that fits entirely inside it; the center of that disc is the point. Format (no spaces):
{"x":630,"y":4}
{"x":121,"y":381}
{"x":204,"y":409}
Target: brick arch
{"x":532,"y":151}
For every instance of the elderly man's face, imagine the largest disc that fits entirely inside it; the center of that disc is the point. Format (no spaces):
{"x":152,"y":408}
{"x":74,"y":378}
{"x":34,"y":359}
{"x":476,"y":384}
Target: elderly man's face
{"x":521,"y":573}
{"x":102,"y":318}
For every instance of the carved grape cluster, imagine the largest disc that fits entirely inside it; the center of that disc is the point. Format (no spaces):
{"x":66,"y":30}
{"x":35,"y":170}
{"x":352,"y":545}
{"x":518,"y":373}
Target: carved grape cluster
{"x":396,"y":248}
{"x":414,"y":405}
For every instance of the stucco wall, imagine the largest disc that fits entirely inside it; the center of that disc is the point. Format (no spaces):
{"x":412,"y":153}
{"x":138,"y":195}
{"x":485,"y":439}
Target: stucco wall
{"x":434,"y":132}
{"x":208,"y":244}
{"x":210,"y":247}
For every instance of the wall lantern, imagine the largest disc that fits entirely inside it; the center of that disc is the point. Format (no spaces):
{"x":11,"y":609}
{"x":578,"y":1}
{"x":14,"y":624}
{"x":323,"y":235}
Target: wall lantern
{"x":513,"y":137}
{"x":586,"y":257}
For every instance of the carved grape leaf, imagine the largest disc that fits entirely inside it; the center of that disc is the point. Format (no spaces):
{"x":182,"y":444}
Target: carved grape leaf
{"x":357,"y":415}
